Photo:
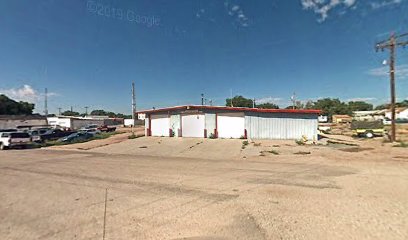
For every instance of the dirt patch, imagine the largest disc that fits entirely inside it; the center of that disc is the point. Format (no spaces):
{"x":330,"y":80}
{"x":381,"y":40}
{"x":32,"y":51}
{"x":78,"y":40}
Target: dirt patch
{"x":293,"y":183}
{"x":302,"y":153}
{"x":355,"y":149}
{"x":268,"y":152}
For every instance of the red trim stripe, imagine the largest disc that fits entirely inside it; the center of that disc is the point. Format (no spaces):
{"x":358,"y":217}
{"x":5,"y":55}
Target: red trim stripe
{"x":237,"y":109}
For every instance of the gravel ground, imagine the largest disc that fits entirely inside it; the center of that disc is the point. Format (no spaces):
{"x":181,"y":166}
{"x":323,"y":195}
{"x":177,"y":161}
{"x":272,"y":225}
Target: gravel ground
{"x":205,"y":189}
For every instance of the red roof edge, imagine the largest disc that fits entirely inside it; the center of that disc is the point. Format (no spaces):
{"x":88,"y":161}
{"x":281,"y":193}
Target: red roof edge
{"x":238,"y":109}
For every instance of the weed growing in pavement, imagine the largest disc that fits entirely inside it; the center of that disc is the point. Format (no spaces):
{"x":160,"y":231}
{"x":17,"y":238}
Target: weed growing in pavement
{"x":244,"y":144}
{"x":273,"y":152}
{"x":402,"y":144}
{"x":300,"y":142}
{"x":133,"y":136}
{"x":302,"y":153}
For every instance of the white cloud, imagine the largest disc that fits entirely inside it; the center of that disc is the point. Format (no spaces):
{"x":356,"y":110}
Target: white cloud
{"x":364,"y":99}
{"x":25,"y":93}
{"x":401,"y":71}
{"x":349,"y":3}
{"x":322,"y":7}
{"x":268,"y":100}
{"x":384,"y":3}
{"x":235,"y":8}
{"x":237,"y":13}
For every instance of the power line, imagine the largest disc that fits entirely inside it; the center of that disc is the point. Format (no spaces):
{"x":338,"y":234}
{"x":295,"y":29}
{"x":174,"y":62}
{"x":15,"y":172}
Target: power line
{"x":391,"y":44}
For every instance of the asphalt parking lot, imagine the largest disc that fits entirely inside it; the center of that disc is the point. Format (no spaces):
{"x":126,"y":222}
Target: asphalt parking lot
{"x":159,"y":188}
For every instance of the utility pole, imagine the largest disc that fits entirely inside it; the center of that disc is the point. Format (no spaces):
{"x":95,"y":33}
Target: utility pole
{"x":210,"y":102}
{"x":133,"y":108}
{"x":59,"y":111}
{"x":391,"y":44}
{"x":253,"y":103}
{"x":232,"y":105}
{"x":202,"y":98}
{"x":293,"y":98}
{"x":46,"y":102}
{"x":86,"y":111}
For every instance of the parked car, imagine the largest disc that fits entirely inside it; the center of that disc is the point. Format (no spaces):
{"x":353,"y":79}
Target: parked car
{"x":90,"y":126}
{"x":56,"y":134}
{"x":92,"y":131}
{"x":78,"y":136}
{"x":35,"y":135}
{"x":8,"y":130}
{"x":387,"y":121}
{"x":106,"y":128}
{"x":14,"y":139}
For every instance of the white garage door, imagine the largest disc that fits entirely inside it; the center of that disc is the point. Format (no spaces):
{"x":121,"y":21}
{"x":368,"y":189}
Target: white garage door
{"x":193,"y":125}
{"x":160,"y":125}
{"x":231,"y":125}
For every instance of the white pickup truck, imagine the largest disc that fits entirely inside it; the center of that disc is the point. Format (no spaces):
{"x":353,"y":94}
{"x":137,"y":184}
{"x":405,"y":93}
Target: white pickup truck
{"x":14,"y":139}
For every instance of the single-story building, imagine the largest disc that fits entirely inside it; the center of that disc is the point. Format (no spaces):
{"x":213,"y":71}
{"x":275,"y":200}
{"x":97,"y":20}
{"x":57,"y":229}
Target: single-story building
{"x":400,"y":113}
{"x":131,"y":122}
{"x":18,"y":121}
{"x":79,"y":122}
{"x":368,"y":115}
{"x":231,"y":122}
{"x":342,"y":119}
{"x":323,"y":119}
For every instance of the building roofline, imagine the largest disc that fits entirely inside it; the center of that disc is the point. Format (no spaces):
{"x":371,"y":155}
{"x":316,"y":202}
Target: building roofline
{"x":237,"y":109}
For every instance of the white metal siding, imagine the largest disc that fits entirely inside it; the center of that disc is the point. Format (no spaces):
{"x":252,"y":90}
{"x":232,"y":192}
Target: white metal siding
{"x":231,"y":125}
{"x":193,"y":125}
{"x":160,"y":125}
{"x":281,"y":126}
{"x":128,"y":122}
{"x":63,"y":122}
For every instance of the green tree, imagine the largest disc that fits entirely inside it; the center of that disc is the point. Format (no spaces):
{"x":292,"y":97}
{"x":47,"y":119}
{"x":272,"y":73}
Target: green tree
{"x":387,"y":105}
{"x":267,"y":106}
{"x":331,"y":106}
{"x":100,"y":112}
{"x":298,"y":105}
{"x":402,"y":104}
{"x":382,"y":106}
{"x":309,"y":105}
{"x":70,"y":113}
{"x":360,"y":106}
{"x":10,"y":107}
{"x":239,"y":101}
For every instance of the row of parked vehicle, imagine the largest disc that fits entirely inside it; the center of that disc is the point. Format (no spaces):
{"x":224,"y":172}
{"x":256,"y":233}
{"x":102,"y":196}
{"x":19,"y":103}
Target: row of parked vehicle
{"x":10,"y":138}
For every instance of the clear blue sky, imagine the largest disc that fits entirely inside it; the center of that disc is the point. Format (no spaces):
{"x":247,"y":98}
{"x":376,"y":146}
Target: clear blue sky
{"x":87,"y":53}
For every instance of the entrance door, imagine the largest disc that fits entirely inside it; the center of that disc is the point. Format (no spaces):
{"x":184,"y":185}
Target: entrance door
{"x":231,"y":125}
{"x":160,"y":125}
{"x":193,"y":125}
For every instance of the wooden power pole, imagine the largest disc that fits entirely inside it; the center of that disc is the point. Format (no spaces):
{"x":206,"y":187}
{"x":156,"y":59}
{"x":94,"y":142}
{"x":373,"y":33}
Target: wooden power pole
{"x":391,"y":44}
